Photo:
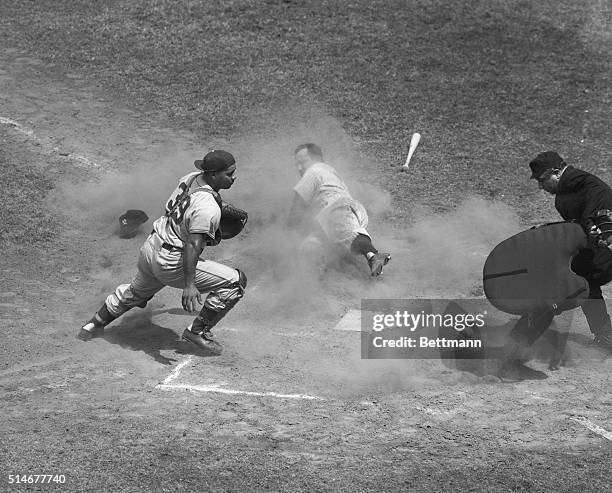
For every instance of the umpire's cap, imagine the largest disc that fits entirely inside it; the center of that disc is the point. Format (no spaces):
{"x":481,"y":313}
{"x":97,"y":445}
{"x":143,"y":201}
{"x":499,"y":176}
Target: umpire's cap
{"x":545,"y":161}
{"x":215,"y":160}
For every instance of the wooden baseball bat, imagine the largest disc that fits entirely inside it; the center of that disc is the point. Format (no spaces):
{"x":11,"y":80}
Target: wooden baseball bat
{"x":414,"y":142}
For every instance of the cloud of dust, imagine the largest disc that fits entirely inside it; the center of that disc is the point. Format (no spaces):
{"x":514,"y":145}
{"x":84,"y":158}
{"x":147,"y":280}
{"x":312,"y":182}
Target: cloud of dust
{"x":447,"y":252}
{"x":265,"y":178}
{"x":267,"y":251}
{"x":97,"y":204}
{"x":435,"y":256}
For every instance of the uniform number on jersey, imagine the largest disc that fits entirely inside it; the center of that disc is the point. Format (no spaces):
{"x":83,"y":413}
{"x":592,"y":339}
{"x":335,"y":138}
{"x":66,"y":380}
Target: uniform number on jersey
{"x":176,"y":208}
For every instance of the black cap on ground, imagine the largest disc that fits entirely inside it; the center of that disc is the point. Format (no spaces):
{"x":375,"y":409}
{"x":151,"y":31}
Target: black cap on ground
{"x":130,"y":221}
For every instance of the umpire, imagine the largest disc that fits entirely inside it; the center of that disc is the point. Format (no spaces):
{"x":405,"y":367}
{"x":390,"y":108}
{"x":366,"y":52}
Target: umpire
{"x":579,"y":195}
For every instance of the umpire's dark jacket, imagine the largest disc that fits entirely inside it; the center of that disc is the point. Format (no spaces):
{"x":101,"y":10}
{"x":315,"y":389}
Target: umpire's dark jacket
{"x":580,"y":195}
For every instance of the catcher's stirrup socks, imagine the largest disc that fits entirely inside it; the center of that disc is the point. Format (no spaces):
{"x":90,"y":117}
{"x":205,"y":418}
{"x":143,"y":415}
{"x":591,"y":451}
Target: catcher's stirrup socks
{"x":97,"y":320}
{"x":103,"y":316}
{"x":100,"y":320}
{"x":94,"y":323}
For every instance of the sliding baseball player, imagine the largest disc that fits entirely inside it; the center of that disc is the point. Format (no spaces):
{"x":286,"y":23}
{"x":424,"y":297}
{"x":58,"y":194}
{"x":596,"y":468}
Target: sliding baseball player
{"x":338,"y":220}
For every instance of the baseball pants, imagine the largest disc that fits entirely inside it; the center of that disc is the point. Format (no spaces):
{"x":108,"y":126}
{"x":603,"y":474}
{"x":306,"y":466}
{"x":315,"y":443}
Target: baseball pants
{"x":339,"y":226}
{"x":159,"y":267}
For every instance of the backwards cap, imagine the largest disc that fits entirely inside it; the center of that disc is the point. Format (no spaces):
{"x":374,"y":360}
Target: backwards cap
{"x":215,"y":160}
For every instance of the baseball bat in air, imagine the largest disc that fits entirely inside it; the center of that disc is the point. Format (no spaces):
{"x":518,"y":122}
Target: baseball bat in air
{"x":414,"y":142}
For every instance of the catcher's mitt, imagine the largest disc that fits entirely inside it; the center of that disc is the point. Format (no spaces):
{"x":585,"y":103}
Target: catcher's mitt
{"x":232,"y":222}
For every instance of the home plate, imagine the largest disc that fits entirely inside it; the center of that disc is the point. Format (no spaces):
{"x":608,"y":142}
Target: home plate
{"x":351,"y":321}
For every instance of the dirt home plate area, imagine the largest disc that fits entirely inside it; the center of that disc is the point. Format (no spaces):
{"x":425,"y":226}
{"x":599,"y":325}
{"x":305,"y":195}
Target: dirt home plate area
{"x":105,"y":105}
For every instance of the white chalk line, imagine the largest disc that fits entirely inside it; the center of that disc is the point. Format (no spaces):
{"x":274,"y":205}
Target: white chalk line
{"x":81,"y":158}
{"x":30,"y":133}
{"x":218,"y":389}
{"x":177,"y":371}
{"x":280,"y":334}
{"x":593,"y":427}
{"x":167,"y":385}
{"x":17,"y":126}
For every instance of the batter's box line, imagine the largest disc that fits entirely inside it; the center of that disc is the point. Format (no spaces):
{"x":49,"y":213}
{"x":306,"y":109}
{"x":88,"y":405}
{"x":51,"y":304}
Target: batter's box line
{"x":593,"y":427}
{"x":17,"y":126}
{"x":168,"y":385}
{"x":30,"y":133}
{"x":276,"y":333}
{"x":216,"y":388}
{"x":177,"y":371}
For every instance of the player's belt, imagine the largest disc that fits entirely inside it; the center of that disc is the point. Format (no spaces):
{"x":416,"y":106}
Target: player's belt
{"x":169,"y":247}
{"x":166,"y":246}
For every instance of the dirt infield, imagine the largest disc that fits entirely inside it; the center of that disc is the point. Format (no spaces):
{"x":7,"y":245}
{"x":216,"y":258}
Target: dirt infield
{"x":290,"y":405}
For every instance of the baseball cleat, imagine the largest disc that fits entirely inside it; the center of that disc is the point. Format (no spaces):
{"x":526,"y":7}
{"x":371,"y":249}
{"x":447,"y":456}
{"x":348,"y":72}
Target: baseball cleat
{"x":90,"y":331}
{"x":203,"y":341}
{"x":377,"y":262}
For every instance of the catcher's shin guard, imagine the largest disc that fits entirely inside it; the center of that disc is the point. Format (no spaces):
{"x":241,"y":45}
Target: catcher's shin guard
{"x":95,"y":325}
{"x":199,"y":332}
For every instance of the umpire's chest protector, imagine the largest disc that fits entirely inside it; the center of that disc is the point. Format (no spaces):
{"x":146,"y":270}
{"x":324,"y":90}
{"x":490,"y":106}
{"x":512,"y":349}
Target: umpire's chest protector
{"x":531,"y":270}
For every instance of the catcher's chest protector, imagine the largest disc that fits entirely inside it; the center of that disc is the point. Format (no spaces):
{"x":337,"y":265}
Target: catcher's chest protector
{"x":531,"y":270}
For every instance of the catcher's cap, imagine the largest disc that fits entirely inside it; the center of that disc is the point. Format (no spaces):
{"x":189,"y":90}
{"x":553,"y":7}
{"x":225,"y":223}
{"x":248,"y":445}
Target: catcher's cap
{"x":215,"y":160}
{"x":545,"y":161}
{"x":130,"y":221}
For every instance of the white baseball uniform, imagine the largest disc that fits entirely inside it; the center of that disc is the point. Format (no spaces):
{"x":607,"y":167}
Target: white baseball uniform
{"x":340,"y":217}
{"x":192,"y":208}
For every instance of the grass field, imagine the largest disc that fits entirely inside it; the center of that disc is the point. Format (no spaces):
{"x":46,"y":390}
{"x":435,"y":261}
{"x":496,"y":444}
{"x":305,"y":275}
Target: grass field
{"x":488,"y":84}
{"x":112,"y":100}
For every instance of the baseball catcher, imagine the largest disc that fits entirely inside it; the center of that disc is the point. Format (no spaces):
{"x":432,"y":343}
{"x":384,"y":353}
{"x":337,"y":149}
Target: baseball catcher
{"x":195,"y":217}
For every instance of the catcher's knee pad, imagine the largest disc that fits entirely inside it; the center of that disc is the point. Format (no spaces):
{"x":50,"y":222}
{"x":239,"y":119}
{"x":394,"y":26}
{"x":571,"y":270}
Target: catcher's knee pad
{"x":236,"y":291}
{"x":226,"y":297}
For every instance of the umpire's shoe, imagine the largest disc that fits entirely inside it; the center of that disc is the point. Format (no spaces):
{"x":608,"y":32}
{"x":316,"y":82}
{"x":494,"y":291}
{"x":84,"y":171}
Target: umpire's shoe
{"x":90,"y":331}
{"x":604,"y":341}
{"x":515,"y":371}
{"x":377,"y":262}
{"x":203,"y":340}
